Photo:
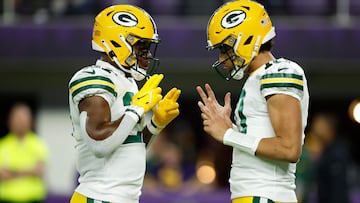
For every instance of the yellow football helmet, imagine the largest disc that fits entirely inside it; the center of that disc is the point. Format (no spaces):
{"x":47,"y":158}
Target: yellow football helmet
{"x":117,"y":29}
{"x":242,"y":25}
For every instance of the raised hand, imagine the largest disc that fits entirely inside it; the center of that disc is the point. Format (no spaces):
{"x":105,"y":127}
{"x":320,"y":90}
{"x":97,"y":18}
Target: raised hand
{"x":150,"y":94}
{"x":216,"y":118}
{"x":167,"y":109}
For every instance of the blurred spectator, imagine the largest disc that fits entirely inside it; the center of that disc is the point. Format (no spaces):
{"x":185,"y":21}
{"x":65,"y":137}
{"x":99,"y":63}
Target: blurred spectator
{"x":22,"y":160}
{"x":303,"y":176}
{"x":166,"y":167}
{"x":173,"y":163}
{"x":305,"y":171}
{"x":334,"y":160}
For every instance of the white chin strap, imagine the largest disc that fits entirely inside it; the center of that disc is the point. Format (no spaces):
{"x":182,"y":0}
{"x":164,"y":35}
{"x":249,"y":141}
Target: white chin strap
{"x":138,"y":73}
{"x":238,"y":73}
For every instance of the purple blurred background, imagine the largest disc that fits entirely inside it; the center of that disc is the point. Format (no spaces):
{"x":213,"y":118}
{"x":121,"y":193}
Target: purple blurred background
{"x":44,"y":42}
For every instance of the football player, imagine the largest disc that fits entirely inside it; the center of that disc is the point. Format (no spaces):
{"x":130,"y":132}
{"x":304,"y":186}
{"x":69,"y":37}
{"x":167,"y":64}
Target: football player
{"x":113,"y":120}
{"x":271,"y":113}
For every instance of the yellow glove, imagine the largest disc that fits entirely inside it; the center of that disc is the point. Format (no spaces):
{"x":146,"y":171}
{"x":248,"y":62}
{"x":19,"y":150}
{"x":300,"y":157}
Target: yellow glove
{"x":150,"y":94}
{"x":166,"y":110}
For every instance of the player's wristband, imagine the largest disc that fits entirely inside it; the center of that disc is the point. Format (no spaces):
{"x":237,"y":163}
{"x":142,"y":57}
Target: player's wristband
{"x":153,"y":128}
{"x":246,"y":143}
{"x":135,"y":112}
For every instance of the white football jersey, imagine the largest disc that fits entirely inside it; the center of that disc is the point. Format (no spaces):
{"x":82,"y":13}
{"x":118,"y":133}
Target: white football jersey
{"x":251,"y":175}
{"x":119,"y":176}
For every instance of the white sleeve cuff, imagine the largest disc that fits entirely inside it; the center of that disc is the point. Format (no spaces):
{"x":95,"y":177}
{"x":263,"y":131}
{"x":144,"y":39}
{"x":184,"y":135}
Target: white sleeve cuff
{"x":135,"y":112}
{"x":153,"y":128}
{"x":244,"y":142}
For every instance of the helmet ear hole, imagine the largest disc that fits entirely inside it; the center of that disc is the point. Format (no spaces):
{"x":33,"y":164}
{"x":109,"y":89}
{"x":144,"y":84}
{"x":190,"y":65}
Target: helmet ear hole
{"x":115,"y":44}
{"x":248,"y":40}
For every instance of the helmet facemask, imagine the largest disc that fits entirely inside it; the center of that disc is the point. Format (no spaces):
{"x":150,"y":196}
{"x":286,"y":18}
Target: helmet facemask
{"x":228,"y":73}
{"x":146,"y":64}
{"x":141,"y":63}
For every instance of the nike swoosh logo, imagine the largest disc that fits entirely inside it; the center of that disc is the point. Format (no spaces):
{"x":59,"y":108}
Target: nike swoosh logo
{"x":280,"y":69}
{"x":141,"y":97}
{"x":90,"y":72}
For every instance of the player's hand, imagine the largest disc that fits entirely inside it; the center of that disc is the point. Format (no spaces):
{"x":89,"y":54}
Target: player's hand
{"x":167,"y":109}
{"x":216,"y":118}
{"x":150,"y":94}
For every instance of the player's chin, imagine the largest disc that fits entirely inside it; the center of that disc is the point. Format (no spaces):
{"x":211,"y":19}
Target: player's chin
{"x":144,"y":67}
{"x":143,"y":64}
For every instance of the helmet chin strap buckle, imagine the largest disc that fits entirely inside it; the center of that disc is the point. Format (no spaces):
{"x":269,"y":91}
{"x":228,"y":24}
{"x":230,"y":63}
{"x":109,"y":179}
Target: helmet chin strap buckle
{"x":237,"y":73}
{"x":130,"y":39}
{"x":231,"y":40}
{"x":129,"y":59}
{"x":138,"y":73}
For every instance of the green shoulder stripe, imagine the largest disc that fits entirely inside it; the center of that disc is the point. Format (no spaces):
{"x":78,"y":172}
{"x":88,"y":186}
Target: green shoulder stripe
{"x":281,"y":80}
{"x":270,"y":85}
{"x":90,"y":78}
{"x":86,"y":83}
{"x":282,"y":75}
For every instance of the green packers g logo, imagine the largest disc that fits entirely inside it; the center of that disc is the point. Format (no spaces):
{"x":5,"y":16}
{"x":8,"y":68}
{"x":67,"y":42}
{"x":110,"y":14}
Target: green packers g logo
{"x":233,"y":19}
{"x":125,"y":19}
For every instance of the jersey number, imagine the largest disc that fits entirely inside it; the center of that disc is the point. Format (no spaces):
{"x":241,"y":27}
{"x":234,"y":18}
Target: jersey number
{"x":241,"y":112}
{"x":127,"y":98}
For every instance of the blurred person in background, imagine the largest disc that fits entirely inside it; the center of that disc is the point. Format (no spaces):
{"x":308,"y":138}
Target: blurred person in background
{"x":304,"y":176}
{"x":332,"y":165}
{"x":271,"y":114}
{"x":22,"y":160}
{"x":172,"y":162}
{"x":165,"y":171}
{"x":306,"y":168}
{"x":113,"y":121}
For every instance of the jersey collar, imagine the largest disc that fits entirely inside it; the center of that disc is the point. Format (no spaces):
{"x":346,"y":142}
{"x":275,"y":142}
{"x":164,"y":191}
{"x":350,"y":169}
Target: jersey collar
{"x":107,"y":65}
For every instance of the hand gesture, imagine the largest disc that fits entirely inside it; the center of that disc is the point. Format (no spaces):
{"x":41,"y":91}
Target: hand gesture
{"x":150,"y":94}
{"x":216,"y":118}
{"x":167,"y":109}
